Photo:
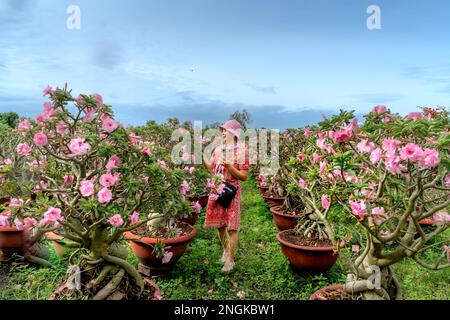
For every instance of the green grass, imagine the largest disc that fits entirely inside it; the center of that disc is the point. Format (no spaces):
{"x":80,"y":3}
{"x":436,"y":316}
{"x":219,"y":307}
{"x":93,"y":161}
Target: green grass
{"x":262,"y":271}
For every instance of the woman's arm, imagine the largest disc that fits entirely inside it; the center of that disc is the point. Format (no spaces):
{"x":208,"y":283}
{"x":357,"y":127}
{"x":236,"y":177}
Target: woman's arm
{"x":238,"y":174}
{"x":207,"y":165}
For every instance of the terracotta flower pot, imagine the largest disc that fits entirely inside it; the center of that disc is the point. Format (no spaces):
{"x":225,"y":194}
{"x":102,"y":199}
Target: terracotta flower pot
{"x":283,"y":220}
{"x":203,"y":200}
{"x":11,"y":241}
{"x":262,"y":189}
{"x":318,"y":295}
{"x":307,"y":258}
{"x":150,"y":264}
{"x":273,"y":201}
{"x":60,"y":249}
{"x":156,"y":295}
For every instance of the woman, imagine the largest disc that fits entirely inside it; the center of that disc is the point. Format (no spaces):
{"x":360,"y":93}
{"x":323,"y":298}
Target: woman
{"x":227,"y":220}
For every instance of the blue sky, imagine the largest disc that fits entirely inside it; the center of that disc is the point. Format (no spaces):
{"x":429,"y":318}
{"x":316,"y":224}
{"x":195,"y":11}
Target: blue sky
{"x":287,"y":61}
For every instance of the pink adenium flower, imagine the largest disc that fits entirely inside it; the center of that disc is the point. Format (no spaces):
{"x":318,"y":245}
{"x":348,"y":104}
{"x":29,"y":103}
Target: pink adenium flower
{"x":29,"y":222}
{"x":365,"y":146}
{"x":78,"y":147}
{"x":379,"y":109}
{"x":197,"y":207}
{"x":441,"y":218}
{"x":384,"y":233}
{"x":411,"y":152}
{"x":315,"y":158}
{"x":99,"y":99}
{"x":390,"y":145}
{"x":104,"y":195}
{"x":47,"y":91}
{"x":429,"y":158}
{"x":302,"y":183}
{"x":116,"y":220}
{"x":24,"y":125}
{"x":79,"y":100}
{"x":307,"y":132}
{"x":213,"y":197}
{"x":52,"y":216}
{"x":379,"y":216}
{"x":4,"y":220}
{"x":375,"y":156}
{"x":184,"y":188}
{"x":68,"y":179}
{"x":113,"y":163}
{"x":415,"y":116}
{"x":40,"y":139}
{"x":23,"y":149}
{"x":325,"y":201}
{"x":301,"y":157}
{"x":108,"y":124}
{"x":358,"y":208}
{"x":447,"y":180}
{"x":343,"y":135}
{"x":62,"y":128}
{"x":86,"y":188}
{"x":108,"y":180}
{"x":134,"y":218}
{"x":89,"y":115}
{"x":393,"y":164}
{"x":18,"y":224}
{"x":323,"y":166}
{"x":15,"y":202}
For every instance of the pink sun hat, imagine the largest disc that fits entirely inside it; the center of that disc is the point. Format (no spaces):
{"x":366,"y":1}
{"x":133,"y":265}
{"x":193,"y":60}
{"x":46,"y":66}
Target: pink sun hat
{"x":232,"y":126}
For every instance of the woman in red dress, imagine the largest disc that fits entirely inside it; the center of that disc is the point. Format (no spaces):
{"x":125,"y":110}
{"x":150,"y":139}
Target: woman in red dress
{"x":227,"y":220}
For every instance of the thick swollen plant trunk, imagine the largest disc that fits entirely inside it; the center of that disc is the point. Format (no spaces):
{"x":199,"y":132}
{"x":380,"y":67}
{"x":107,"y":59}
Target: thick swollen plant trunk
{"x":372,"y":275}
{"x":105,"y":270}
{"x":378,"y":284}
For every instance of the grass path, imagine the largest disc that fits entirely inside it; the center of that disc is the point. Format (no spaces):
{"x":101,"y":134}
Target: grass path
{"x":261,"y":272}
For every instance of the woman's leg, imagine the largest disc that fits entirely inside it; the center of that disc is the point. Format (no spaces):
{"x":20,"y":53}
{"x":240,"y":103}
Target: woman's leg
{"x":222,"y":232}
{"x":234,"y":238}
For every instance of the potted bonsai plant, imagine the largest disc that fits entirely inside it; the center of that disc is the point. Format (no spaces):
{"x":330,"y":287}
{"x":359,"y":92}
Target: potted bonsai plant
{"x":99,"y":174}
{"x":394,"y":173}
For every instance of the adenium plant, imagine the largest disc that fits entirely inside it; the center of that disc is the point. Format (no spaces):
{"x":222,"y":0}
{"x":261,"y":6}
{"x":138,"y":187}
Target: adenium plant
{"x":97,"y":180}
{"x":387,"y":176}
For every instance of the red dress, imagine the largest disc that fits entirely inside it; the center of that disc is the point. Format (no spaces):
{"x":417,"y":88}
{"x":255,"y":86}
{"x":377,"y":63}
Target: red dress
{"x":218,"y":216}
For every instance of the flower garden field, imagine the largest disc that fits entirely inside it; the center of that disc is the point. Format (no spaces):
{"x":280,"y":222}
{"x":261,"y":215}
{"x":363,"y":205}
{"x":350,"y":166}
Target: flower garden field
{"x":345,"y":209}
{"x":262,"y":272}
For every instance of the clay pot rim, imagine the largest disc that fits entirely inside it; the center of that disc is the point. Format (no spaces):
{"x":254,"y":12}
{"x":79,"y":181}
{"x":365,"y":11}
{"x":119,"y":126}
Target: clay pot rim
{"x":426,"y":222}
{"x":334,"y":287}
{"x":154,"y":285}
{"x":9,"y":229}
{"x":295,"y":246}
{"x":148,"y":240}
{"x":274,"y":197}
{"x":282,"y":214}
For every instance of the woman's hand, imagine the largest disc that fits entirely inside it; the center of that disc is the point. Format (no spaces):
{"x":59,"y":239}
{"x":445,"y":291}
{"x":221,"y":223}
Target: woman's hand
{"x":226,"y":164}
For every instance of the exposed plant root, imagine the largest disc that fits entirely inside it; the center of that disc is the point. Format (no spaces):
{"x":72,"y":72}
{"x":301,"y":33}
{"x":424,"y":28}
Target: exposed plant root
{"x":128,"y":268}
{"x":111,"y":286}
{"x":36,"y":260}
{"x":102,"y":275}
{"x":396,"y":283}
